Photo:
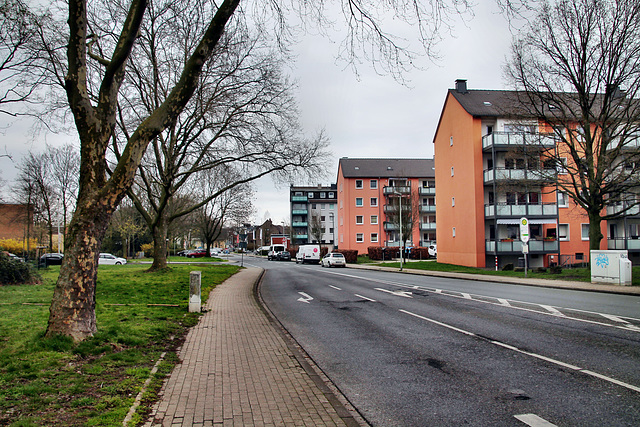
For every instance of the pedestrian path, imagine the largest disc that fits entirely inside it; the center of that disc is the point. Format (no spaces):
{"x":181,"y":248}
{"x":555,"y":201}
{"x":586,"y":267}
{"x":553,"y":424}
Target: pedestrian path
{"x":237,"y":370}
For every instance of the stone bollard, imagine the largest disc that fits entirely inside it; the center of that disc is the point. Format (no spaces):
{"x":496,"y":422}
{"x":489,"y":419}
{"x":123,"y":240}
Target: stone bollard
{"x":195,"y":285}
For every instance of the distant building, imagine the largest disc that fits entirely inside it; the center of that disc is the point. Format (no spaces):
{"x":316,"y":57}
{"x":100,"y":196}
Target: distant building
{"x":13,"y":221}
{"x":313,"y":214}
{"x":366,"y":192}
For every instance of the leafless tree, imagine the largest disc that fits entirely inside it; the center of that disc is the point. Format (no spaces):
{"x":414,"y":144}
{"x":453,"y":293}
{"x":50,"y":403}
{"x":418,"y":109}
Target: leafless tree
{"x":404,"y":215}
{"x":316,"y":228}
{"x":97,"y":57}
{"x":577,"y":67}
{"x":64,"y":168}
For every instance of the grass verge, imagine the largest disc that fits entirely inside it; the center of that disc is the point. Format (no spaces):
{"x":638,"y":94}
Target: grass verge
{"x":93,"y":383}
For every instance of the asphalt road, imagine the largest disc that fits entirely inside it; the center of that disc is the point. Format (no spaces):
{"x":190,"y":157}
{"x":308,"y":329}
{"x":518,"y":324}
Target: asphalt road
{"x":423,"y":351}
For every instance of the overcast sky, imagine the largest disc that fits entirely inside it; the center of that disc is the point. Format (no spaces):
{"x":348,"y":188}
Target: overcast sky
{"x":373,"y":116}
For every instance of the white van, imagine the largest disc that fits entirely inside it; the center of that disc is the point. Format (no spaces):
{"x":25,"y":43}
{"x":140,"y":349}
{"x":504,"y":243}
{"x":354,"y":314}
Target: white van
{"x":274,"y":250}
{"x":308,"y":253}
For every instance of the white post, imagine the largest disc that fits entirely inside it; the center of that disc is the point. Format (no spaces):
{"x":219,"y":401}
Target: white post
{"x":195,"y":286}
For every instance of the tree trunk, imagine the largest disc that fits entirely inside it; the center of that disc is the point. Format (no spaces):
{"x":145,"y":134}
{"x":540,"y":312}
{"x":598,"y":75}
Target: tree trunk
{"x":595,"y":234}
{"x":159,"y":232}
{"x":72,"y":310}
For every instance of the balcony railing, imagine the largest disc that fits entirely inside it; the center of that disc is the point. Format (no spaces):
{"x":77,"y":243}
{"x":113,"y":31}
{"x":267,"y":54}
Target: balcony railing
{"x":427,"y":208}
{"x":537,"y":246}
{"x":632,"y":243}
{"x":631,"y":143}
{"x":428,"y":226}
{"x":300,"y":236}
{"x":300,"y":224}
{"x":389,"y":190}
{"x":615,"y":209}
{"x":428,"y":191}
{"x":503,"y":174}
{"x":528,"y":210}
{"x":298,"y":198}
{"x":389,"y":226}
{"x":299,"y":212}
{"x":512,"y":139}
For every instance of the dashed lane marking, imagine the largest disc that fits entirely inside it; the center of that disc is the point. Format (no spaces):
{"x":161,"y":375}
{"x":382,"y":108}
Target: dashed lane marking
{"x":335,"y":287}
{"x":533,"y":420}
{"x":363,"y":297}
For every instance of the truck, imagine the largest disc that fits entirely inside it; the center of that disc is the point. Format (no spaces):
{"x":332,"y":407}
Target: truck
{"x":308,"y":254}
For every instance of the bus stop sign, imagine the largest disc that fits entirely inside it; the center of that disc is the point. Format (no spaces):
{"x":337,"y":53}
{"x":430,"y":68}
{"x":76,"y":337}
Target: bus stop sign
{"x":524,"y":230}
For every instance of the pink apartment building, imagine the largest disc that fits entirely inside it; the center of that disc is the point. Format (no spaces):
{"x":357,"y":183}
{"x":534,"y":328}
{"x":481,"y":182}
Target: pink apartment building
{"x":366,"y":189}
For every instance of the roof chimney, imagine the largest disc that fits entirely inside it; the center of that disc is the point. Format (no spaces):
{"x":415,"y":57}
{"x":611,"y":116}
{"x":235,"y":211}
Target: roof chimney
{"x":461,"y":86}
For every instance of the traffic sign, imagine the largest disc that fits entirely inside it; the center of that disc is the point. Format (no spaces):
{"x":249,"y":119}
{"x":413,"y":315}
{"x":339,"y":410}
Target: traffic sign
{"x":524,"y":230}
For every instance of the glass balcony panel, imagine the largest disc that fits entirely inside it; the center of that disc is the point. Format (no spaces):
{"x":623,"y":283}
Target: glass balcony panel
{"x":430,"y":191}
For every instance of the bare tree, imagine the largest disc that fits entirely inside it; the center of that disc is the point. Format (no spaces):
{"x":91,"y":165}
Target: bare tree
{"x":64,"y":168}
{"x":404,"y":215}
{"x":572,"y":64}
{"x":97,"y":56}
{"x":316,"y":228}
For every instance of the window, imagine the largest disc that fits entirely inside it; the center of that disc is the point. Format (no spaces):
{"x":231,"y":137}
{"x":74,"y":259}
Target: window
{"x":562,"y":166}
{"x":454,"y":232}
{"x":310,"y":195}
{"x":373,"y":184}
{"x":322,"y":218}
{"x":331,"y":205}
{"x":562,"y":200}
{"x":453,"y":201}
{"x":584,"y":231}
{"x":360,"y":237}
{"x":332,"y":195}
{"x":579,"y":256}
{"x":374,"y":237}
{"x":359,"y":183}
{"x":314,"y":206}
{"x":359,"y":219}
{"x":451,"y":170}
{"x":374,"y":219}
{"x":359,"y":201}
{"x":323,"y":195}
{"x":563,"y":231}
{"x":374,"y":201}
{"x":451,"y":141}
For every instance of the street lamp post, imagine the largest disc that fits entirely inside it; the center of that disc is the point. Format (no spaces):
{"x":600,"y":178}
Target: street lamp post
{"x":400,"y":232}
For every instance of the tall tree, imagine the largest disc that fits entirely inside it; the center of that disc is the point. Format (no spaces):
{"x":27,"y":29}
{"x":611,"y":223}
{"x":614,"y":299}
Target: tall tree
{"x":64,"y":169}
{"x":97,"y":56}
{"x":577,"y":66}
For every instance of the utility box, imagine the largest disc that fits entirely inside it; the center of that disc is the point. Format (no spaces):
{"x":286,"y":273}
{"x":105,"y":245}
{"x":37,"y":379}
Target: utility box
{"x":611,"y":267}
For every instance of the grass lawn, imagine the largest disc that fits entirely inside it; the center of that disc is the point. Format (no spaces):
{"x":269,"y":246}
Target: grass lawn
{"x":175,"y":259}
{"x":577,"y":274}
{"x":56,"y":382}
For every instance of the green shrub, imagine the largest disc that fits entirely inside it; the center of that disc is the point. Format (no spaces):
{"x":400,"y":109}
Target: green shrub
{"x":507,"y":267}
{"x":16,"y":272}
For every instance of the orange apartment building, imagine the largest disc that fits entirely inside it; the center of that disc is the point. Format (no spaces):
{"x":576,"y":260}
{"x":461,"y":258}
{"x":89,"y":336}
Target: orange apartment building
{"x":478,"y":214}
{"x":366,"y":188}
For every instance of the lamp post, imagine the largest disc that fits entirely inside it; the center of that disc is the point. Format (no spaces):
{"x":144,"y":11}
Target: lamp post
{"x":400,"y":216}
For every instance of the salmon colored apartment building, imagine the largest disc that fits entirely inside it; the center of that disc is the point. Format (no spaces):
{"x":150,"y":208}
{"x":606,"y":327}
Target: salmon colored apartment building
{"x":478,"y":212}
{"x":366,"y":191}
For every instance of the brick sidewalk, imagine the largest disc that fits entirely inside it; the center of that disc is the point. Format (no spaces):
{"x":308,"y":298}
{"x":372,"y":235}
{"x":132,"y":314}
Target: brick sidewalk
{"x":237,"y":370}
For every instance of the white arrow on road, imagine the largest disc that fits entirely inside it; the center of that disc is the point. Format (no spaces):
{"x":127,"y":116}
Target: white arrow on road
{"x":405,"y":294}
{"x":305,"y":297}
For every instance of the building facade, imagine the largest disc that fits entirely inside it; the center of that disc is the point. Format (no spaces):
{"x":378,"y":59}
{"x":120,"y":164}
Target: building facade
{"x":486,"y":184}
{"x":313,"y":214}
{"x":371,"y":192}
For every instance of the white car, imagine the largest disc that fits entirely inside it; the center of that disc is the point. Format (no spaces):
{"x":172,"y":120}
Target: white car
{"x":334,"y":259}
{"x":108,"y":259}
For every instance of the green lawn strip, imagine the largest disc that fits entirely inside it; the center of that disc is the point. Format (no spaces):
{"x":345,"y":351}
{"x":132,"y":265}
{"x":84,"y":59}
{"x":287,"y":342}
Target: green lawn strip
{"x":576,"y":274}
{"x":173,"y":259}
{"x":56,"y":382}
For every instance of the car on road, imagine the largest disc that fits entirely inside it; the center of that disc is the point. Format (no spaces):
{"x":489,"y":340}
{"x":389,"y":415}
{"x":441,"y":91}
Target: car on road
{"x":109,"y":259}
{"x":50,"y":259}
{"x":183,"y":252}
{"x":334,"y":259}
{"x":308,"y":253}
{"x":14,"y":257}
{"x":197,"y":253}
{"x":283,"y":256}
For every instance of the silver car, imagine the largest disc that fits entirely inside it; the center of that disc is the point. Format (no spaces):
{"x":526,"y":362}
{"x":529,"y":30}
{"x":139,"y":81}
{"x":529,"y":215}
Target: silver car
{"x":334,"y":259}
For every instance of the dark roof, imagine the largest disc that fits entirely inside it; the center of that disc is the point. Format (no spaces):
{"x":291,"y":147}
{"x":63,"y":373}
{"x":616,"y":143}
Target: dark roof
{"x":387,"y":168}
{"x":488,"y":103}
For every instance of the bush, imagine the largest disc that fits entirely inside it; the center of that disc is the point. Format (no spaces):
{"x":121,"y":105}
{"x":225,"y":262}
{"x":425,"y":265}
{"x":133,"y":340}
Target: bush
{"x":507,"y":267}
{"x":419,"y":253}
{"x":351,"y":256}
{"x":556,"y":269}
{"x":16,"y":272}
{"x":375,"y":253}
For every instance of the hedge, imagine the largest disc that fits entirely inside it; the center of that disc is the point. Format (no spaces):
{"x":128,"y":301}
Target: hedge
{"x":350,"y":255}
{"x":376,"y":253}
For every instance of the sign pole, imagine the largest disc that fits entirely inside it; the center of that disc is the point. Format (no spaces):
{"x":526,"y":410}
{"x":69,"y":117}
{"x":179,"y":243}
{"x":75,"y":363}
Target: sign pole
{"x":524,"y":237}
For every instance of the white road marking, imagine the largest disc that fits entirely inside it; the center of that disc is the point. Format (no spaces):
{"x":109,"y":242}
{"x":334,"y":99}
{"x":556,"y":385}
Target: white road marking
{"x":335,"y":287}
{"x":405,"y":294}
{"x":438,"y":291}
{"x":528,"y":353}
{"x":533,"y":420}
{"x":363,"y":297}
{"x":554,"y":311}
{"x":614,"y":318}
{"x":305,"y":297}
{"x":504,"y":302}
{"x":465,"y":295}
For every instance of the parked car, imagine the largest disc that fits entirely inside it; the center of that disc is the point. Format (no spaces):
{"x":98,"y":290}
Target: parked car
{"x":197,"y":253}
{"x":183,"y":252}
{"x":215,"y":251}
{"x":274,"y":250}
{"x":334,"y":259}
{"x":283,"y":256}
{"x":308,"y":253}
{"x":108,"y":259}
{"x":14,"y":257}
{"x":50,"y":259}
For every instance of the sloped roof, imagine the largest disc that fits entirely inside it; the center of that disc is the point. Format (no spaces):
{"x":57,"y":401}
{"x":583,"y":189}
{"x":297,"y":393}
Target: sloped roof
{"x":489,"y":103}
{"x":386,"y":168}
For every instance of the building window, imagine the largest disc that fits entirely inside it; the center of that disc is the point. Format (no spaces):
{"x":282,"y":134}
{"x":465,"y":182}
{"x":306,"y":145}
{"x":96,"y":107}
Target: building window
{"x":454,"y":232}
{"x":563,"y":231}
{"x":584,"y":231}
{"x":323,"y":195}
{"x":374,"y":237}
{"x":563,"y":202}
{"x":322,"y":218}
{"x":360,"y":237}
{"x":374,"y":201}
{"x":562,"y":166}
{"x":359,"y":219}
{"x":453,"y":201}
{"x":579,"y":256}
{"x":451,"y":141}
{"x":374,"y":219}
{"x":359,"y":201}
{"x":331,"y":205}
{"x":314,"y":206}
{"x":310,"y":195}
{"x":373,"y":184}
{"x":359,"y":183}
{"x":451,"y":170}
{"x":332,"y":195}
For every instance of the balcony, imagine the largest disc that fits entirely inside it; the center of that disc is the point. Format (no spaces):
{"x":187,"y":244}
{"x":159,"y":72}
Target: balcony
{"x":299,"y":199}
{"x":389,"y":190}
{"x":507,"y":140}
{"x":616,"y":209}
{"x":428,"y":226}
{"x":300,"y":236}
{"x":299,"y":212}
{"x":388,"y":226}
{"x":503,"y":174}
{"x":528,"y":210}
{"x":300,"y":224}
{"x":630,"y":143}
{"x":428,"y":191}
{"x":631,"y":243}
{"x":427,"y":209}
{"x":515,"y":246}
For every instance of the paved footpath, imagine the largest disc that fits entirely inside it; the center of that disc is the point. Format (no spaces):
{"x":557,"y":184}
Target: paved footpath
{"x":239,"y":369}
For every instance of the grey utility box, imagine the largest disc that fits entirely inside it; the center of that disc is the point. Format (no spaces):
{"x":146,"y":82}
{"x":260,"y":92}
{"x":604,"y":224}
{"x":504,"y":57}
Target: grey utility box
{"x":611,"y":267}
